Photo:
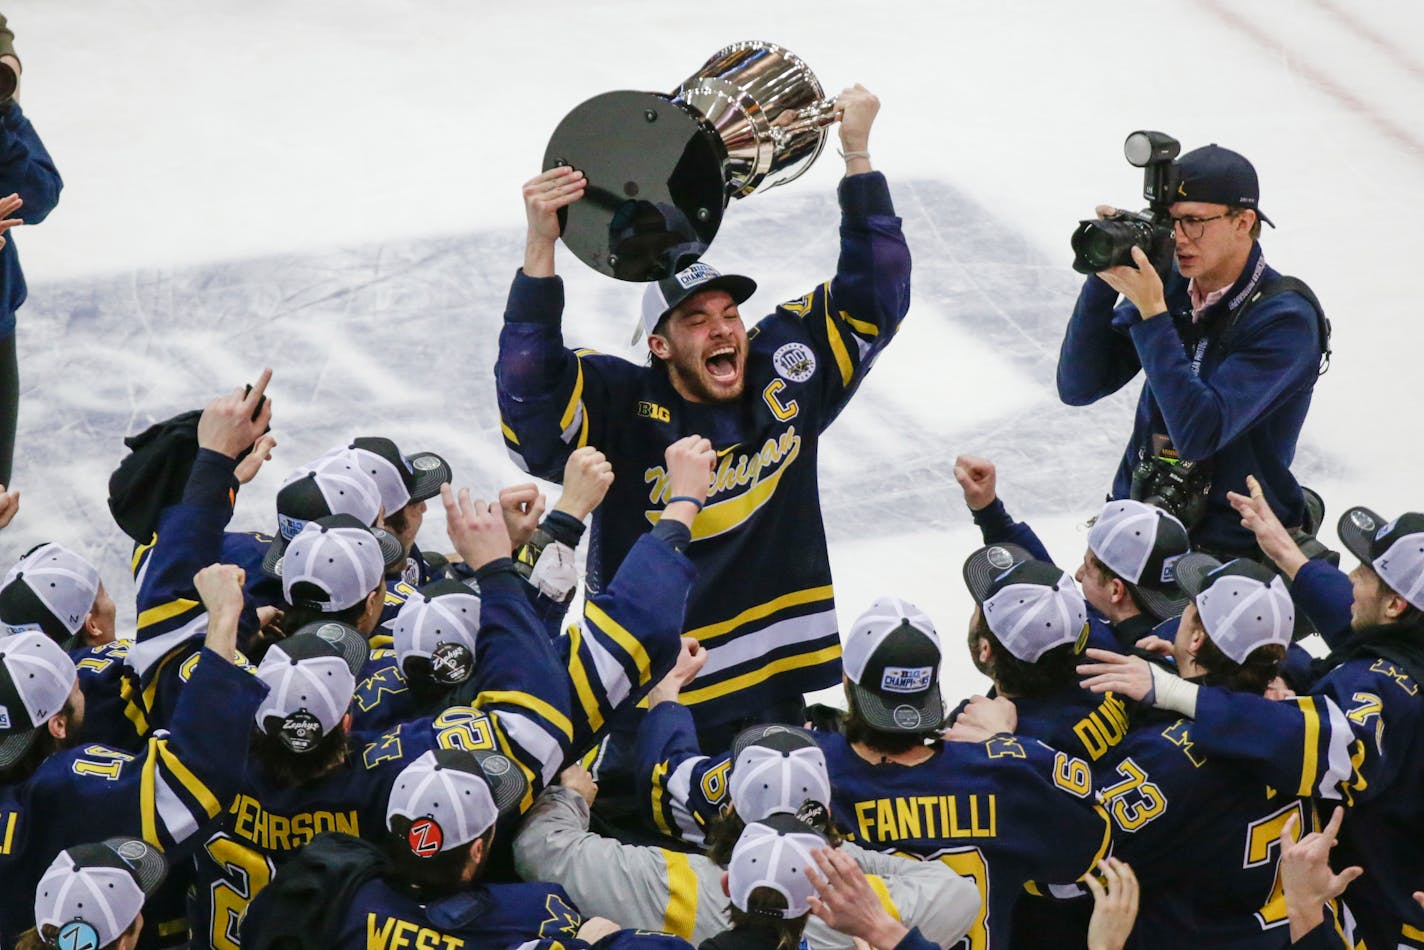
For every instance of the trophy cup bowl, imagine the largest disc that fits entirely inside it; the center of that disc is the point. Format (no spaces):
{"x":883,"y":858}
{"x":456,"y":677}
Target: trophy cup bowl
{"x":662,"y":168}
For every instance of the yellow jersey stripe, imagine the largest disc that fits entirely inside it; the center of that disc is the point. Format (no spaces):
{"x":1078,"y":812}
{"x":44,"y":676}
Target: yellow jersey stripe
{"x":1310,"y":757}
{"x":567,"y":419}
{"x":877,"y":884}
{"x":681,"y":912}
{"x":508,"y":433}
{"x":178,"y":925}
{"x":860,"y":326}
{"x":623,"y":638}
{"x":147,"y":799}
{"x":582,"y":685}
{"x":133,"y":711}
{"x":189,"y":781}
{"x":794,"y":599}
{"x":838,"y":349}
{"x":164,"y":612}
{"x":1107,"y":839}
{"x":534,"y":704}
{"x":583,"y":432}
{"x":1411,"y":933}
{"x":659,"y":777}
{"x":140,"y":550}
{"x":756,"y":677}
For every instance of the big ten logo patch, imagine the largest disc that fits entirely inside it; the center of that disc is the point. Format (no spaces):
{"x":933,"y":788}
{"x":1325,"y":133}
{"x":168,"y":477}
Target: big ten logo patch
{"x":651,"y":410}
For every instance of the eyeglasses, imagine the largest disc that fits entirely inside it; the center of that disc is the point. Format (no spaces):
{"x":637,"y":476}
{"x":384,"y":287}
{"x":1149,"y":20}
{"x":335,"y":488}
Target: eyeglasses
{"x":1193,"y":227}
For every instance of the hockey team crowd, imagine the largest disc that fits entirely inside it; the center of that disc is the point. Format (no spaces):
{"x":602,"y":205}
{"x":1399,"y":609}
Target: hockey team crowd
{"x":327,"y":736}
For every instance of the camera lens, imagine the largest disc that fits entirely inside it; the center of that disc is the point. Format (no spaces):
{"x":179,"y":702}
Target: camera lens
{"x":1098,"y":245}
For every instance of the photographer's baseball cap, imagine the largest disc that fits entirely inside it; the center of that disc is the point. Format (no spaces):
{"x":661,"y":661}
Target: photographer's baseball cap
{"x":51,"y":590}
{"x":36,"y":678}
{"x":1219,"y":176}
{"x":1031,"y":607}
{"x":1394,"y":549}
{"x":440,"y":623}
{"x":451,"y":797}
{"x":1140,"y":543}
{"x":92,"y":893}
{"x":332,"y":485}
{"x":401,"y":478}
{"x":341,"y":557}
{"x":774,"y":853}
{"x":311,"y":677}
{"x":1243,"y":605}
{"x":662,"y":296}
{"x":776,"y":769}
{"x":892,"y":659}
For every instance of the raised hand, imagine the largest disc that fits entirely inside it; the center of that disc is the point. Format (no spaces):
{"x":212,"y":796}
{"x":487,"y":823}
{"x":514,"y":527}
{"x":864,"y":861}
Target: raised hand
{"x":587,"y":477}
{"x":261,"y":452}
{"x":978,"y":479}
{"x":982,"y":719}
{"x":219,"y":587}
{"x":857,"y":107}
{"x":522,"y":506}
{"x":847,"y":903}
{"x":9,"y":506}
{"x":476,"y":528}
{"x":544,"y":195}
{"x":231,"y":423}
{"x":1305,"y":872}
{"x":690,"y":661}
{"x":690,"y":462}
{"x":1114,"y":905}
{"x":1258,"y":518}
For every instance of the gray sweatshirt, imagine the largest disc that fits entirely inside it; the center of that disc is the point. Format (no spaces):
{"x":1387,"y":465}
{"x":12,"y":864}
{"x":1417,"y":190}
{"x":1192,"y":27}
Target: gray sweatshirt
{"x":652,"y":888}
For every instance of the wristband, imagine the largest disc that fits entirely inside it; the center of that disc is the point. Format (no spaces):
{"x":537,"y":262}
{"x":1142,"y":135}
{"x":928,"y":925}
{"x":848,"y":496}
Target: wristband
{"x":687,"y":498}
{"x":1170,"y":691}
{"x":850,"y":155}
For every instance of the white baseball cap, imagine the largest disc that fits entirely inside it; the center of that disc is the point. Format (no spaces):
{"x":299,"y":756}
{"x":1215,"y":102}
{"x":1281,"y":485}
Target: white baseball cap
{"x":1033,"y":607}
{"x":1243,"y":605}
{"x":36,"y":678}
{"x":441,"y":623}
{"x":1140,"y":543}
{"x":776,"y":769}
{"x":93,"y":892}
{"x":338,"y":555}
{"x":892,"y":659}
{"x":452,"y":796}
{"x":311,"y":677}
{"x":51,"y":589}
{"x":1394,"y":549}
{"x":774,"y":853}
{"x":332,"y":485}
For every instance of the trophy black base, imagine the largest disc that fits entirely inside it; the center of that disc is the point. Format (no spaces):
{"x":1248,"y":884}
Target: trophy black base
{"x":656,"y":185}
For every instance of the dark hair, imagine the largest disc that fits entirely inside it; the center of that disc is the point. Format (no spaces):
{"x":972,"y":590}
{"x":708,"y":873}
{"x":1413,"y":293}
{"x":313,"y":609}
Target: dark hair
{"x":45,"y":745}
{"x":726,"y":829}
{"x":31,"y":939}
{"x":1253,"y":676}
{"x":429,"y":878}
{"x":295,"y":617}
{"x":787,"y":929}
{"x":887,"y":743}
{"x":1107,"y":575}
{"x":426,"y":692}
{"x":1054,"y":670}
{"x":290,"y":769}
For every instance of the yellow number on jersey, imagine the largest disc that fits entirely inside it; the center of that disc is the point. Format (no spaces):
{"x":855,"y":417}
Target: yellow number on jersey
{"x":1072,"y":775}
{"x":463,"y":727}
{"x":1263,"y":839}
{"x":101,"y":762}
{"x":714,"y":783}
{"x":970,"y":863}
{"x":1134,"y":801}
{"x":246,"y":873}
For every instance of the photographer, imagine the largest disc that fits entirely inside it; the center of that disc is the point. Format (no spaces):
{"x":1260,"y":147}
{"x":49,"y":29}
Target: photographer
{"x":1230,"y":356}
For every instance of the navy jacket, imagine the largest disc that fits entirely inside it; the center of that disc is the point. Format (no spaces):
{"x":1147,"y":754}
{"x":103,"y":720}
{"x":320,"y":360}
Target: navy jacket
{"x":27,"y":170}
{"x":1243,"y":410}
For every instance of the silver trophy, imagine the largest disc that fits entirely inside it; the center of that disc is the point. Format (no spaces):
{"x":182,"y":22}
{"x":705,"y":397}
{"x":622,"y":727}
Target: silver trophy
{"x":662,"y":168}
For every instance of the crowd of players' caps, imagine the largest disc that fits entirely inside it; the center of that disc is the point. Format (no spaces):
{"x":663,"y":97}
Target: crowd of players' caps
{"x":363,"y":643}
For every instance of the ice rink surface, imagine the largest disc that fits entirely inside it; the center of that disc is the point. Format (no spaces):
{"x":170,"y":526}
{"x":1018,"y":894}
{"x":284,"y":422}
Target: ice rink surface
{"x":332,"y":189}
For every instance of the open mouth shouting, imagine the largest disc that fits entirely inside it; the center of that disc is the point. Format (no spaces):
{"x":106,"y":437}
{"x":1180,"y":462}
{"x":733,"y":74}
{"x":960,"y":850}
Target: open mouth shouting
{"x":723,"y":365}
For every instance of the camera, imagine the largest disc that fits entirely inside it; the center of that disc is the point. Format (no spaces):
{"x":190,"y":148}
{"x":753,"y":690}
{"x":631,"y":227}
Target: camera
{"x":1177,"y":486}
{"x":1100,"y":244}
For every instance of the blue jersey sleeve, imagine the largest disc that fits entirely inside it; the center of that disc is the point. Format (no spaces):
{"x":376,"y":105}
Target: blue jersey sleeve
{"x":1097,"y":358}
{"x":26,"y":168}
{"x":683,"y":788}
{"x":629,"y":636}
{"x":997,"y":527}
{"x":1325,"y":593}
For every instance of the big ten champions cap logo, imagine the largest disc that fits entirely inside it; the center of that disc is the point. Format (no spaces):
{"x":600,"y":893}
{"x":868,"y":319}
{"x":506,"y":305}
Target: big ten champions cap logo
{"x":903,"y":679}
{"x":794,"y":361}
{"x":694,"y":275}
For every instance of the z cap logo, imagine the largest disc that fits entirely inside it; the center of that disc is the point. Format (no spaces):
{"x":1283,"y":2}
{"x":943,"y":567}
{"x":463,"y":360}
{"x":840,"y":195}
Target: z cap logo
{"x":77,"y":935}
{"x":425,"y":838}
{"x":906,"y":679}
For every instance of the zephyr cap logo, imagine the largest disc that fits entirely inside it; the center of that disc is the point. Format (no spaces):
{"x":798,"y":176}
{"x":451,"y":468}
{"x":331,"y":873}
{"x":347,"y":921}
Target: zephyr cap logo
{"x":906,"y":679}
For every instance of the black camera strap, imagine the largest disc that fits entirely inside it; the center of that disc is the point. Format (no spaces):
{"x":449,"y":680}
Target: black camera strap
{"x":1284,"y":285}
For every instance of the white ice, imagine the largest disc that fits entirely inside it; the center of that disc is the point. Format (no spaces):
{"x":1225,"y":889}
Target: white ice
{"x":331,"y":187}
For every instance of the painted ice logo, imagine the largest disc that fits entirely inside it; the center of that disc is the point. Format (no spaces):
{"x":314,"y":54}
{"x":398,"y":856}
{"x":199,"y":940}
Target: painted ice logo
{"x":694,"y":275}
{"x":794,"y":361}
{"x":425,"y":838}
{"x":906,"y":679}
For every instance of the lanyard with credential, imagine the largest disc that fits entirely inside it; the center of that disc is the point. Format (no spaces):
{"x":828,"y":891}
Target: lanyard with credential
{"x":1231,"y":305}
